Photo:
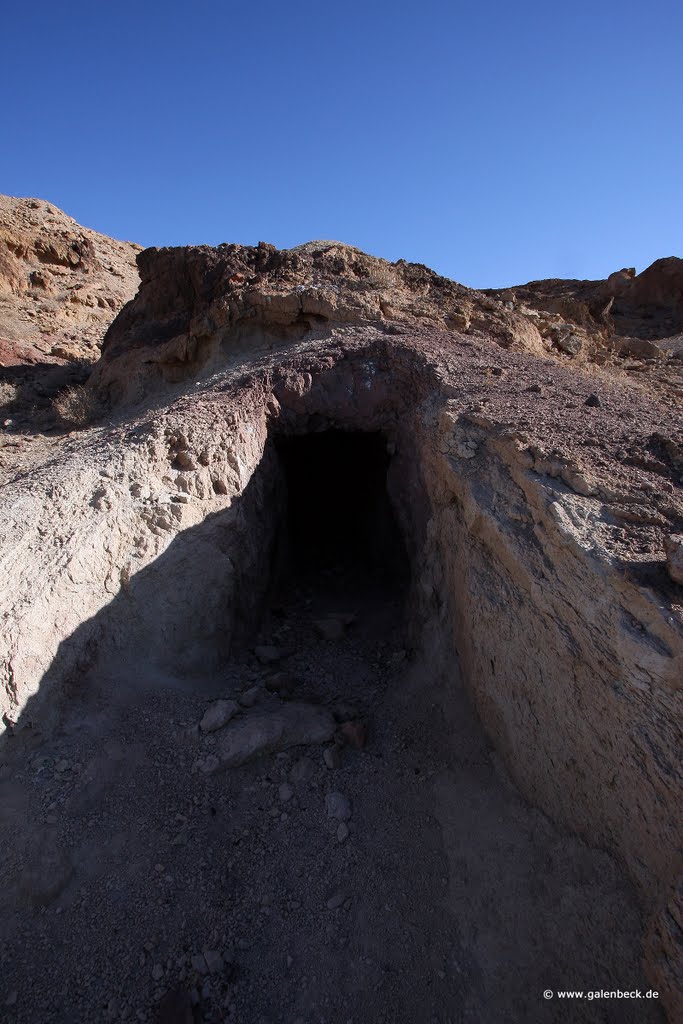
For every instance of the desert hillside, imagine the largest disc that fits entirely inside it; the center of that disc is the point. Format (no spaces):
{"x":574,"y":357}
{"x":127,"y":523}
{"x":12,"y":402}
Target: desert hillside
{"x":61,"y":284}
{"x":343,"y":637}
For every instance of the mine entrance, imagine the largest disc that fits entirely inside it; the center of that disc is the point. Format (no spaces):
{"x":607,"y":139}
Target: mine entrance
{"x":340,"y":538}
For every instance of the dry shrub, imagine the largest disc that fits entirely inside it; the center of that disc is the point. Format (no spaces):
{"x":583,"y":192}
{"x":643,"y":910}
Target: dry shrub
{"x":75,"y":407}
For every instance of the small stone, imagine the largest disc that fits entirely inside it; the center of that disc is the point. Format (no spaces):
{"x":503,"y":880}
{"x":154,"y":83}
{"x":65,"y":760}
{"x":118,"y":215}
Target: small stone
{"x":336,"y":901}
{"x":354,"y":734}
{"x":268,"y":654}
{"x":280,"y":682}
{"x":218,"y":714}
{"x":210,"y":764}
{"x":214,"y":961}
{"x":338,"y":806}
{"x":157,"y":972}
{"x":673,"y":545}
{"x":342,"y":832}
{"x":593,"y":401}
{"x":571,"y":344}
{"x":331,"y":758}
{"x":12,"y":998}
{"x":62,"y":766}
{"x":199,"y":964}
{"x":285,"y":792}
{"x":273,"y":729}
{"x":251,"y":696}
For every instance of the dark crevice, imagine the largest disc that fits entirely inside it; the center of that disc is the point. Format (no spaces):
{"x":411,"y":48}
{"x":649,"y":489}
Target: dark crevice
{"x":339,"y":540}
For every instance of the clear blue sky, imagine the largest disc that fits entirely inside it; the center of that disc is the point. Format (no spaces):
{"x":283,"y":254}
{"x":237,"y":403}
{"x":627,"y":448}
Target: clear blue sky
{"x":496,"y":142}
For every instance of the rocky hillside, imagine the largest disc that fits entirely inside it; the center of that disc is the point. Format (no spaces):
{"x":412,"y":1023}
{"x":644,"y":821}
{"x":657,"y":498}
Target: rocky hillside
{"x":629,"y":314}
{"x":199,"y":305}
{"x":480,"y":674}
{"x":61,"y":284}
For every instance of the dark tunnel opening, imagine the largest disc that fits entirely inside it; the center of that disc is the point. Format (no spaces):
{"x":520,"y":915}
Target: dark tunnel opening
{"x":340,"y":536}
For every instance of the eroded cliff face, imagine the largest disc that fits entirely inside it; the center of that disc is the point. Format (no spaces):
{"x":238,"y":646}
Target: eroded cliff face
{"x":536,"y":503}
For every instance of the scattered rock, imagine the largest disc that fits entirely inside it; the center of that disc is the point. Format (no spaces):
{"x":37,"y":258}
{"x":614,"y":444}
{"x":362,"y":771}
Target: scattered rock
{"x":336,"y":901}
{"x":281,"y":682}
{"x":571,"y":343}
{"x":593,"y":401}
{"x":355,"y":734}
{"x":673,"y":545}
{"x":338,"y":806}
{"x":199,"y":964}
{"x":285,"y":792}
{"x":214,"y":961}
{"x":157,"y":972}
{"x":265,"y":730}
{"x":251,"y":697}
{"x":268,"y":654}
{"x":218,"y":714}
{"x":342,"y":832}
{"x":209,"y":764}
{"x":331,"y":757}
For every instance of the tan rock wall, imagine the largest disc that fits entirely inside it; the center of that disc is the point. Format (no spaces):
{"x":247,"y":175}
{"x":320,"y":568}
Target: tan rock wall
{"x":575,"y":674}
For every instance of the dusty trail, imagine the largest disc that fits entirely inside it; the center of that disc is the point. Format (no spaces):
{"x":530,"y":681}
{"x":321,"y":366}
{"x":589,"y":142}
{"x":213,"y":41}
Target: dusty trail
{"x":450,"y":899}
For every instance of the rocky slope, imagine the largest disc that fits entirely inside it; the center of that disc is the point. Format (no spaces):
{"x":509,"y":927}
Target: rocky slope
{"x":193,"y":300}
{"x":538,"y":494}
{"x":61,"y":285}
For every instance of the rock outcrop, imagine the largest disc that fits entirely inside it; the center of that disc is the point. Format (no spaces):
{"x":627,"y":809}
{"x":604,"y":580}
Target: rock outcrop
{"x":628,"y":314}
{"x":61,"y":284}
{"x":200,"y":308}
{"x":539,"y":505}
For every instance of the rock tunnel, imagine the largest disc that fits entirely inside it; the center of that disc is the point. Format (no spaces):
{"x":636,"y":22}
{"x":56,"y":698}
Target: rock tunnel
{"x":351,"y":488}
{"x":338,"y":511}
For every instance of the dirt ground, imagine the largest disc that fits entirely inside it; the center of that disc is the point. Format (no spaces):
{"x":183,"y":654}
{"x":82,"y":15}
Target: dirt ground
{"x":443,"y":897}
